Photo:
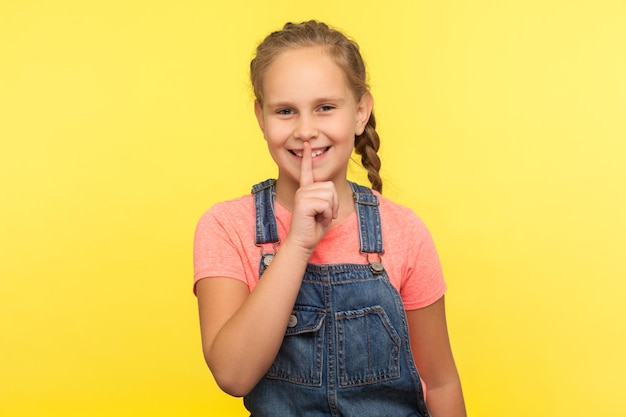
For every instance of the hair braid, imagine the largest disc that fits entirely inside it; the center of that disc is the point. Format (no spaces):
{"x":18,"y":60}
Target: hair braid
{"x":367,"y":145}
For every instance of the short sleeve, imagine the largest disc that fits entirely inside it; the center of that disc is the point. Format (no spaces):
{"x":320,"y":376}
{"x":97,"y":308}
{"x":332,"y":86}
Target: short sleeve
{"x":423,"y":282}
{"x":217,"y":246}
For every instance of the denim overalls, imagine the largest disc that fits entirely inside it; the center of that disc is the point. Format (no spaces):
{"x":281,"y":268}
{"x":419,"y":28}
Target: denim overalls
{"x":346,"y":350}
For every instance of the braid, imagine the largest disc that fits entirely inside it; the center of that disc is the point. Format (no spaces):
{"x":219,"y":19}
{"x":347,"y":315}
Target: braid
{"x":367,"y":145}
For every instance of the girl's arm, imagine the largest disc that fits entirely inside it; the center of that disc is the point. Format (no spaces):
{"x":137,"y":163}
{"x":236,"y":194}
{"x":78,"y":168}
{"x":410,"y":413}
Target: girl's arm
{"x":242,"y":331}
{"x":434,"y":360}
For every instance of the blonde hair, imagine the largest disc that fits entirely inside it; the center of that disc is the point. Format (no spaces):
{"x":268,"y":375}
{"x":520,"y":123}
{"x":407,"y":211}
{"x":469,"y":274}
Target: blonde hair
{"x":345,"y":53}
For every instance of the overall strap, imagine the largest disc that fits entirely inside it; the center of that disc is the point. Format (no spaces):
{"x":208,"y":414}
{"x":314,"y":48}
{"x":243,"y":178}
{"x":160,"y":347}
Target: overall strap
{"x":266,"y":227}
{"x":370,"y":231}
{"x":366,"y":206}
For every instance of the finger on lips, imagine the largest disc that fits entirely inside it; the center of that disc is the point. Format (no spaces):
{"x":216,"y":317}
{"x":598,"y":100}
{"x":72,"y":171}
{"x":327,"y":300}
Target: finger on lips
{"x":306,"y":166}
{"x":324,"y":216}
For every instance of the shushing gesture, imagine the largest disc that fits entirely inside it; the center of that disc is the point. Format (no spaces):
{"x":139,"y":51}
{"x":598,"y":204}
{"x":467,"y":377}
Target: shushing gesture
{"x":315,"y":205}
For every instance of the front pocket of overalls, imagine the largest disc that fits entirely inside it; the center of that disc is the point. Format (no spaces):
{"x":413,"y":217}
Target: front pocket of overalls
{"x":299,"y":359}
{"x":368,"y":347}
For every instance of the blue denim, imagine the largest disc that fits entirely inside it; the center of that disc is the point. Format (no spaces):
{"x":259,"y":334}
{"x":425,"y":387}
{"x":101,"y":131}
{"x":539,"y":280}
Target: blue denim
{"x":346,"y":350}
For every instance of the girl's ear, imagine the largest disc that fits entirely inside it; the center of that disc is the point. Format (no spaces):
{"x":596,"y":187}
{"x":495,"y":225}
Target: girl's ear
{"x":258,"y":112}
{"x":363,"y":112}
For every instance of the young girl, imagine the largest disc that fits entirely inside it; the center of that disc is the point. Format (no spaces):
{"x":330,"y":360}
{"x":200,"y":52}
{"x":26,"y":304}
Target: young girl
{"x":318,"y":296}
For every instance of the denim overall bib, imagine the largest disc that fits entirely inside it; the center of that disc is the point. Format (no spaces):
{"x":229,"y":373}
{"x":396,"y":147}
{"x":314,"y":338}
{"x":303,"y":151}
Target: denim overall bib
{"x":346,"y":350}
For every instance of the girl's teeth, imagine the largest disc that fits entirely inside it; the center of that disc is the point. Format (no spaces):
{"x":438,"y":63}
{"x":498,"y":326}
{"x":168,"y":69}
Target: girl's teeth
{"x":313,"y":154}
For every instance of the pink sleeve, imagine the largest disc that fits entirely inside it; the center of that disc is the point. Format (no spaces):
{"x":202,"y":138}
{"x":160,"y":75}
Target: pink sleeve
{"x":424,"y":283}
{"x":216,"y":253}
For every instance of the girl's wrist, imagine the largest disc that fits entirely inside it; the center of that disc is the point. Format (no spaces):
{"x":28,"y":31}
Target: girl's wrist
{"x":295,"y":252}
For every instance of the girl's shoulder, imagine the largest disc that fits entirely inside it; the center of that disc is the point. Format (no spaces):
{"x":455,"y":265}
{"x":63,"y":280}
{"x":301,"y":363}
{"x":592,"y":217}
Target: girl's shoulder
{"x":399,"y":218}
{"x":228,"y":211}
{"x":390,"y":207}
{"x":244,"y":202}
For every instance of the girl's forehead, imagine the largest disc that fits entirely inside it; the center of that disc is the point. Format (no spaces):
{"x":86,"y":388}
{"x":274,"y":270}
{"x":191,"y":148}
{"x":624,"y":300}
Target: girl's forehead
{"x":307,"y":69}
{"x":302,"y":56}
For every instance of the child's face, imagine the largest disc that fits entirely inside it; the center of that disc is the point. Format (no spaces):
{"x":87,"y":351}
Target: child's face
{"x":306,"y":98}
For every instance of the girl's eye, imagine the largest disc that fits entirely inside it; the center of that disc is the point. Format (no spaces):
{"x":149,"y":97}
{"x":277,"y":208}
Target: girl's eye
{"x":326,"y":108}
{"x":285,"y":112}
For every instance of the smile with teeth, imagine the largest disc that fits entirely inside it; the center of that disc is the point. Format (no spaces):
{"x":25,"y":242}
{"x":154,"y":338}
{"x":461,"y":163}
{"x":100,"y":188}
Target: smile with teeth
{"x":314,"y":153}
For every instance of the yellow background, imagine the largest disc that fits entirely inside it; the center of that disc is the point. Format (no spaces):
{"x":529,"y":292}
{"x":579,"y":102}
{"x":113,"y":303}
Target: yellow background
{"x":121,"y":122}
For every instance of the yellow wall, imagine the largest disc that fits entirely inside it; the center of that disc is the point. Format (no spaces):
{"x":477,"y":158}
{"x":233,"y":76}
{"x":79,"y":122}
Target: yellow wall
{"x":503,"y":126}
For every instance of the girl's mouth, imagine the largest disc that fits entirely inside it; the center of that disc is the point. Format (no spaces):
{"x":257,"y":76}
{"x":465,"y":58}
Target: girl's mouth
{"x":314,"y":153}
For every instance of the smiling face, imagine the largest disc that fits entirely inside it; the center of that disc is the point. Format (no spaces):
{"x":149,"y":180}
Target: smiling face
{"x":306,"y":98}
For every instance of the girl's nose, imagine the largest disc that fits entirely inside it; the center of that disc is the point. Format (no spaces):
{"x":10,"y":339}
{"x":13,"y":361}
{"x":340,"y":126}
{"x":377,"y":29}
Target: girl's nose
{"x":305,"y":129}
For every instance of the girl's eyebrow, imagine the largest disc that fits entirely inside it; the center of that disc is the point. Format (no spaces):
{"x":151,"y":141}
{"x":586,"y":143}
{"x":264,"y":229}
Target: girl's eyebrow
{"x":317,"y":101}
{"x":338,"y":100}
{"x":279,"y":104}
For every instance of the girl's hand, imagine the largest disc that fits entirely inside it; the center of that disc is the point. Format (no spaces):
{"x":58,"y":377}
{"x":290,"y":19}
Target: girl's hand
{"x":316,"y":204}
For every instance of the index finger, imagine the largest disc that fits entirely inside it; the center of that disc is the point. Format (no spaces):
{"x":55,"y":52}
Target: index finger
{"x":306,"y":166}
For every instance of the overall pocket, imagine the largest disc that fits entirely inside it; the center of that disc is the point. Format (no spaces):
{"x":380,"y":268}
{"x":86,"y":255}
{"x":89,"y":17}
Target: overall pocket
{"x":368,"y":347}
{"x":299,"y":359}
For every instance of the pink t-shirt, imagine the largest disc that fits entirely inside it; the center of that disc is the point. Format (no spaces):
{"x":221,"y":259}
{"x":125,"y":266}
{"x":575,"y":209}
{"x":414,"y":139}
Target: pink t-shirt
{"x":225,"y":235}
